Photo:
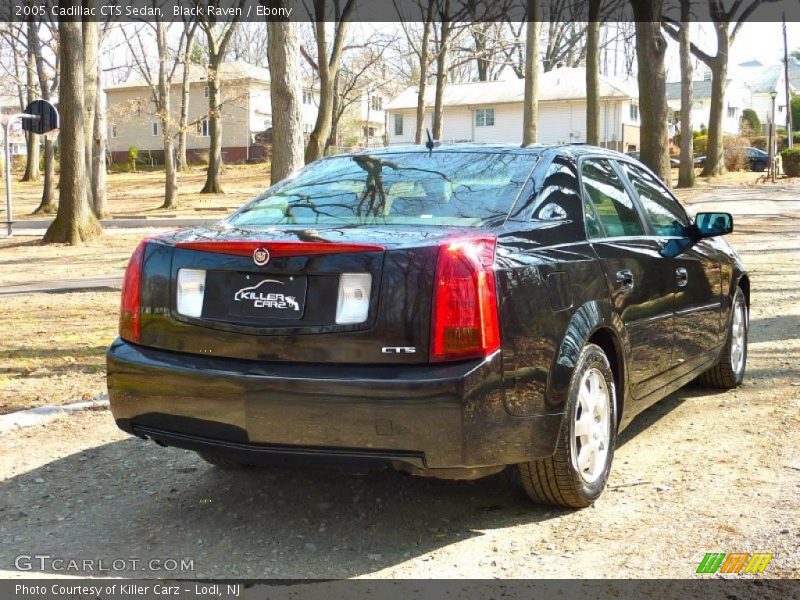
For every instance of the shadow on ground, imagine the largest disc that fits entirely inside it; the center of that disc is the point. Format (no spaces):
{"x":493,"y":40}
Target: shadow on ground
{"x":133,"y":499}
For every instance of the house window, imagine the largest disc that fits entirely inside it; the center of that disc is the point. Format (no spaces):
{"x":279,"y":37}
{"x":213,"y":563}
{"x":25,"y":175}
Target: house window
{"x":634,"y":112}
{"x":484,"y":117}
{"x":155,"y":128}
{"x":377,"y":103}
{"x":113,"y":130}
{"x":398,"y":124}
{"x":202,"y":128}
{"x":731,"y":112}
{"x":205,"y":92}
{"x":308,"y":97}
{"x":369,"y":132}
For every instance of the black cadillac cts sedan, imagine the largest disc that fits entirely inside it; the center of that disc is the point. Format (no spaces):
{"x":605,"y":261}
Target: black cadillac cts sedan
{"x":453,"y":312}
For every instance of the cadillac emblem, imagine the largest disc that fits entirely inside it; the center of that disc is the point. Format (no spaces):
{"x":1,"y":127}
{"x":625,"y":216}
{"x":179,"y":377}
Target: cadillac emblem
{"x":261,"y":256}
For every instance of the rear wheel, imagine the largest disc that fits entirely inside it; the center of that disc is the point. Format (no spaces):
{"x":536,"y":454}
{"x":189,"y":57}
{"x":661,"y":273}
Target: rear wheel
{"x":222,"y":462}
{"x":728,"y":373}
{"x":577,"y":473}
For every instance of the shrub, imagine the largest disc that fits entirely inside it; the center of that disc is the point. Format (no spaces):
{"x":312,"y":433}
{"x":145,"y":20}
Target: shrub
{"x":700,"y":145}
{"x":133,"y":154}
{"x":750,"y":123}
{"x":791,"y":161}
{"x":733,"y":151}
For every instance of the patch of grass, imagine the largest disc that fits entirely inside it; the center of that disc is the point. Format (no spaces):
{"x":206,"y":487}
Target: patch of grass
{"x":56,"y":354}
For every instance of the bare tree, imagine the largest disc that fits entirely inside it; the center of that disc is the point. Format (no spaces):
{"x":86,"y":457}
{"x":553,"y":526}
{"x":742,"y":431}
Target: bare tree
{"x":188,"y":33}
{"x":326,"y":65}
{"x":650,"y":50}
{"x":422,"y":53}
{"x":593,"y":74}
{"x":160,"y":84}
{"x":32,"y":162}
{"x":444,"y":31}
{"x":286,"y":97}
{"x":218,"y":36}
{"x":99,"y":193}
{"x":686,"y":176}
{"x":91,"y":48}
{"x":48,"y":86}
{"x":75,"y":222}
{"x":718,"y":64}
{"x":530,"y":115}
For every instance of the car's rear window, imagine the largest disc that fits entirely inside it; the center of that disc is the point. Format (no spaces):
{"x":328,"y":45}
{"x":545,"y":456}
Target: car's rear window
{"x":411,"y":188}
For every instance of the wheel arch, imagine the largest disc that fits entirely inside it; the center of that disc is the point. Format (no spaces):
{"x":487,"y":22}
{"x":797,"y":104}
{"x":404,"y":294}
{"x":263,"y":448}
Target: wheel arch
{"x":607,"y":339}
{"x":594,"y":322}
{"x":744,"y":283}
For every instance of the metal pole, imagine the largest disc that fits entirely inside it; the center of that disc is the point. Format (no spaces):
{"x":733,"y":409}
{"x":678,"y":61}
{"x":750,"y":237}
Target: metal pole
{"x":8,"y":178}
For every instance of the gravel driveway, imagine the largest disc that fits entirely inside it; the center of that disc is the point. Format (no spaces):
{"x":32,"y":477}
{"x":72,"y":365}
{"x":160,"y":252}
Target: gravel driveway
{"x":702,"y":471}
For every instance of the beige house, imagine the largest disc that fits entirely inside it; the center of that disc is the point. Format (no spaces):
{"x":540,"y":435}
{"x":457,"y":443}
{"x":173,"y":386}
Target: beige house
{"x":245,"y":105}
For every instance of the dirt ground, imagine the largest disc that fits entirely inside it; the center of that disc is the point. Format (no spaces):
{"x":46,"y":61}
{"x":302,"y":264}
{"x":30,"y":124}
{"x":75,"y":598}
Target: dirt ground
{"x":141,"y":194}
{"x":702,"y":471}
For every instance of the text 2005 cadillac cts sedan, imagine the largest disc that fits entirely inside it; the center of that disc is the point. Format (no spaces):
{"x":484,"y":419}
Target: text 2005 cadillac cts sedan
{"x":453,"y":311}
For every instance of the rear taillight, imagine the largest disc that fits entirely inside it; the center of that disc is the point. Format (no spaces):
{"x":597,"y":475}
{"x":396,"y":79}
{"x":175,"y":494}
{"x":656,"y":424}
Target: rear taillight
{"x":129,"y":323}
{"x":464,"y":321}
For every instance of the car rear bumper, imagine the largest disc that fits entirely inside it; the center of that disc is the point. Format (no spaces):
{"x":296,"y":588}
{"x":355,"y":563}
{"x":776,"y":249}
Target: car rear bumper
{"x":431,"y":416}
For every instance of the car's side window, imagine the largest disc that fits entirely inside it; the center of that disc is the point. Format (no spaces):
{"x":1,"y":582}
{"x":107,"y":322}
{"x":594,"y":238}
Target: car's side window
{"x":559,"y":197}
{"x":613,"y":207}
{"x":663,"y":211}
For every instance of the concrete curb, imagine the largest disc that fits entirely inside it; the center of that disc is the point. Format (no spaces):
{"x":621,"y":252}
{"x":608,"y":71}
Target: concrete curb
{"x":45,"y":414}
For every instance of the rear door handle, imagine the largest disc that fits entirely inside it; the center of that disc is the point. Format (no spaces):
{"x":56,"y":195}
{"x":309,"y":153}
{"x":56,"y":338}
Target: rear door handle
{"x":624,"y":280}
{"x":681,"y":277}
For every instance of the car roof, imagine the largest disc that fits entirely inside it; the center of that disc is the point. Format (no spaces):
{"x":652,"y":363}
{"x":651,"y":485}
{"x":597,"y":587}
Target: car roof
{"x":533,"y":149}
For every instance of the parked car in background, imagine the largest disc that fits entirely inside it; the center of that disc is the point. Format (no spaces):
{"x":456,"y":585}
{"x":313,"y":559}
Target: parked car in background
{"x":757,"y":160}
{"x":673,"y":162}
{"x":453,"y":311}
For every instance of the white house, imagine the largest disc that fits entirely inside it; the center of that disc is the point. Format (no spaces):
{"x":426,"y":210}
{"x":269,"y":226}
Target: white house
{"x":491,"y":111}
{"x":749,"y":85}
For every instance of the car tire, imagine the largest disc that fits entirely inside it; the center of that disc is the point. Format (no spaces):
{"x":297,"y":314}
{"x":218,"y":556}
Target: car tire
{"x":222,"y":462}
{"x":759,"y":166}
{"x":565,"y":479}
{"x":728,"y":373}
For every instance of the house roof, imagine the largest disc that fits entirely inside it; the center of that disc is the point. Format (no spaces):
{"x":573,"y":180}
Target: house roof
{"x":558,"y":84}
{"x":700,"y":90}
{"x":230,"y":71}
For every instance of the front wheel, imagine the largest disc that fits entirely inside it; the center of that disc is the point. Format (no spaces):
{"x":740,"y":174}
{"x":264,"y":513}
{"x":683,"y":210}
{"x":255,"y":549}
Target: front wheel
{"x":728,"y":373}
{"x":576,"y":474}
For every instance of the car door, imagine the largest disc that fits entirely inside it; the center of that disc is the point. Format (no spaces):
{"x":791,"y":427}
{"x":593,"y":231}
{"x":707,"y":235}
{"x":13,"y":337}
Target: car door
{"x":639,"y":279}
{"x":697,"y":283}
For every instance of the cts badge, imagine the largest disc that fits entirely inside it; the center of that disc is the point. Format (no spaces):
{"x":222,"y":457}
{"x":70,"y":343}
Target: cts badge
{"x":398,"y":350}
{"x":261,"y":256}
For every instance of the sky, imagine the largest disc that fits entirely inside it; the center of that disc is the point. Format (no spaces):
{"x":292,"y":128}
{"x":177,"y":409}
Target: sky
{"x":759,"y":41}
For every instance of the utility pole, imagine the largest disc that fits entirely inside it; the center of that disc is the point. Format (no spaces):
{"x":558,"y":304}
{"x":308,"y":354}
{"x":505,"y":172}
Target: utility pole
{"x":789,"y":123}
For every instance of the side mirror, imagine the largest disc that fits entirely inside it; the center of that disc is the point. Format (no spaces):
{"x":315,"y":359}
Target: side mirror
{"x":711,"y":224}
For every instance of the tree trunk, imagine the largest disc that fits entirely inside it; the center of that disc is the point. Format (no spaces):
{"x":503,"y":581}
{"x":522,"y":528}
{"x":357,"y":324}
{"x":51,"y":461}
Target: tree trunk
{"x":650,"y":50}
{"x":423,"y":73}
{"x":328,"y":68}
{"x":593,"y":74}
{"x":75,"y":221}
{"x":530,"y":115}
{"x":91,"y":45}
{"x":47,"y":204}
{"x":335,"y":115}
{"x":183,"y":123}
{"x":165,"y":114}
{"x":686,"y":168}
{"x":99,"y":194}
{"x":31,"y":139}
{"x":715,"y":159}
{"x":441,"y":72}
{"x":213,"y":184}
{"x":286,"y":95}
